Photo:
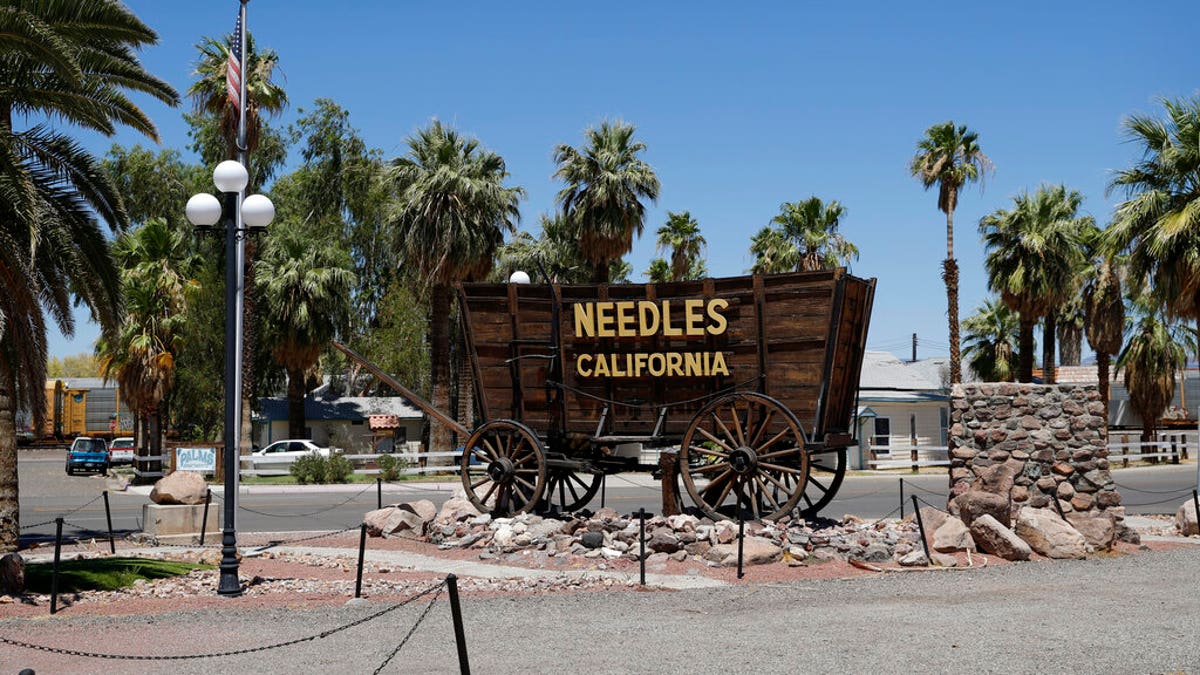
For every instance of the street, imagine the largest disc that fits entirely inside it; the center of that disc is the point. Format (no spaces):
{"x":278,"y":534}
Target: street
{"x":47,"y":492}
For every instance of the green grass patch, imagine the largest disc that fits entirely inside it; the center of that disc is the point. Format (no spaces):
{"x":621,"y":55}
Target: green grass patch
{"x":352,"y":478}
{"x":102,"y":574}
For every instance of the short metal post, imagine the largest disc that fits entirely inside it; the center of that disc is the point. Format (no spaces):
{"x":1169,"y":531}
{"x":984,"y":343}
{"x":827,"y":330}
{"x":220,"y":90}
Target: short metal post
{"x":603,"y":484}
{"x":460,"y":638}
{"x":921,"y":528}
{"x":741,"y":538}
{"x":902,"y":499}
{"x":112,"y":545}
{"x":642,"y":542}
{"x":1196,"y":504}
{"x":204,"y":522}
{"x":58,"y":523}
{"x":378,"y":493}
{"x":362,"y":552}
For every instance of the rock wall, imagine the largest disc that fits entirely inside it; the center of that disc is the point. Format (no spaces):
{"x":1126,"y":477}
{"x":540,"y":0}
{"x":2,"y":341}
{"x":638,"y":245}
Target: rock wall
{"x":1039,"y":444}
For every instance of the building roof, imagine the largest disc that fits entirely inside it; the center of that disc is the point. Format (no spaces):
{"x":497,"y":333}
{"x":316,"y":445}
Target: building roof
{"x":343,"y":408}
{"x":883,"y":371}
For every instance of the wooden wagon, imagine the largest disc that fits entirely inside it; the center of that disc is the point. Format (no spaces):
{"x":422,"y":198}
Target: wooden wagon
{"x":753,"y":379}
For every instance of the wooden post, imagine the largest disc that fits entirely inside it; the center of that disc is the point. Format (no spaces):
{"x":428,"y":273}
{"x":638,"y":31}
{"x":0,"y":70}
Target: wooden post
{"x":1124,"y":450}
{"x":1174,"y":449}
{"x":219,"y":473}
{"x":915,"y":467}
{"x":668,"y":466}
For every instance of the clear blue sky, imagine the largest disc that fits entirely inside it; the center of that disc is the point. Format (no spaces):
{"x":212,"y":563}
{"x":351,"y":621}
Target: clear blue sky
{"x":742,"y":106}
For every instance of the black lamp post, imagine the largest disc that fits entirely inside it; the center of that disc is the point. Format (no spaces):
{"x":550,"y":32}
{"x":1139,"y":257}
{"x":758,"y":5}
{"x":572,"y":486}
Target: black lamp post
{"x":241,"y":216}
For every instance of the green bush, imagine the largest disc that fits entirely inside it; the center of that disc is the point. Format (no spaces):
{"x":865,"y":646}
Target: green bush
{"x":310,"y":468}
{"x":338,"y":469}
{"x":390,"y":467}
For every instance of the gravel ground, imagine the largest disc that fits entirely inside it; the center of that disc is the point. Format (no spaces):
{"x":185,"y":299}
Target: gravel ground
{"x":1124,"y":614}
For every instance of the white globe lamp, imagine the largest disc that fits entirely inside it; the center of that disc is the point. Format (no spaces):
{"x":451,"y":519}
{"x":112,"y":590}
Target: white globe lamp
{"x":518,"y":277}
{"x":257,"y":211}
{"x":230,"y":176}
{"x":203,"y":210}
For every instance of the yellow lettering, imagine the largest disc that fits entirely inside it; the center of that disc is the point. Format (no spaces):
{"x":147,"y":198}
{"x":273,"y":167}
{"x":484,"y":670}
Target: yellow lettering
{"x":693,"y":316}
{"x":674,"y":364}
{"x":694,"y":364}
{"x":601,"y":366}
{"x":626,"y":319}
{"x":604,"y":319}
{"x":657,"y":365}
{"x":579,"y":361}
{"x":616,"y":365}
{"x":669,"y":330}
{"x":648,"y":317}
{"x":639,"y":363}
{"x":585,"y":320}
{"x":718,"y":320}
{"x":718,"y":364}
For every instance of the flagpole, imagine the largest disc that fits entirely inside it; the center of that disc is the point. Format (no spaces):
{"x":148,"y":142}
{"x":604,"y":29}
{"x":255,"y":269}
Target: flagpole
{"x":229,"y":584}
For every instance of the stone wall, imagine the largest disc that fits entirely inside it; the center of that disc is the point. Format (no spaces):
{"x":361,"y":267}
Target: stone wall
{"x":1036,"y":443}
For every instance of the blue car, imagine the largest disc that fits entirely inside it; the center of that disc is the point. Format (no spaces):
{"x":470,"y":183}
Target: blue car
{"x":87,"y":454}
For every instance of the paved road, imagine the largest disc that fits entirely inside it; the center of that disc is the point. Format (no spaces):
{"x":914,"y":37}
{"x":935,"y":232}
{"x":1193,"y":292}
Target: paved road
{"x":1127,"y":614}
{"x":46,"y":492}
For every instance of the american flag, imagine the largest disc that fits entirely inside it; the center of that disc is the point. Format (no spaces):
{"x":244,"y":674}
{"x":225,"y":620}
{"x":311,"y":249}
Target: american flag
{"x":233,"y":71}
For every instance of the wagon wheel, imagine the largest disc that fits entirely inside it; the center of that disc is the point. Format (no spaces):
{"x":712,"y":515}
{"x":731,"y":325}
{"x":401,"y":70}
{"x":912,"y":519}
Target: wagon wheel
{"x":744,"y":451}
{"x":571,"y":489}
{"x":825,"y":473}
{"x":503,"y":468}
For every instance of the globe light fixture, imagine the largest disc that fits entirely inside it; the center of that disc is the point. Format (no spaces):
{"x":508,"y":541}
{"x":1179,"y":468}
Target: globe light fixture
{"x":257,"y":211}
{"x":230,"y":176}
{"x":203,"y":210}
{"x":518,"y":277}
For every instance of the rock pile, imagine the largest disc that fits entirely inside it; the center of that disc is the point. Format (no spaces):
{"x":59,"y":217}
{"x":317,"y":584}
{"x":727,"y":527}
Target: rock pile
{"x":180,"y":487}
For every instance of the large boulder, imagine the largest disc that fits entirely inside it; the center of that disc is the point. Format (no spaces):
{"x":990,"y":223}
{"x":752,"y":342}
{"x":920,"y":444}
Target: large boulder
{"x":1185,"y":519}
{"x":975,"y":503}
{"x":953,"y":536}
{"x":991,"y":536}
{"x":755,"y":551}
{"x":12,"y":574}
{"x":1048,"y":534}
{"x":457,"y":509}
{"x":1099,"y":529}
{"x":409,"y":517}
{"x":180,"y":487}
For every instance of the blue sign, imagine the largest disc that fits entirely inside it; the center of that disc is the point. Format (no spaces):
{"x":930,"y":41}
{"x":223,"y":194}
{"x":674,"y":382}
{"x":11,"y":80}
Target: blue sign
{"x":200,"y":460}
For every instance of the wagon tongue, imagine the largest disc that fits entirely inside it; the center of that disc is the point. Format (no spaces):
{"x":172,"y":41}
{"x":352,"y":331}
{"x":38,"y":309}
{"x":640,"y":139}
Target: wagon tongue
{"x":743,"y":460}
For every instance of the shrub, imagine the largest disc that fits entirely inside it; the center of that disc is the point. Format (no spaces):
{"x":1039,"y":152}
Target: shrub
{"x":338,"y":469}
{"x":389,"y":467}
{"x":310,"y":468}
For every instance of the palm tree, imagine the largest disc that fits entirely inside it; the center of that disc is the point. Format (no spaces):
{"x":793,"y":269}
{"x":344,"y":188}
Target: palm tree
{"x":1071,"y":319}
{"x":264,"y":97}
{"x":305,"y":285}
{"x":949,"y":157}
{"x":991,"y":342}
{"x":812,"y":227}
{"x":1105,"y":327}
{"x":1150,"y":360}
{"x":140,"y":352}
{"x":452,"y":210}
{"x":659,"y":271}
{"x":681,"y":235}
{"x":606,"y":183}
{"x":1033,"y":252}
{"x":210,"y":95}
{"x":1159,"y":222}
{"x":53,"y":193}
{"x":773,"y":252}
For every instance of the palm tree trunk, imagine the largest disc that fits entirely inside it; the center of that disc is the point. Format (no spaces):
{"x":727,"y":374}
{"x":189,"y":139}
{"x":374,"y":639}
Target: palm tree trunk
{"x":599,"y":274}
{"x":950,"y":276}
{"x":1070,"y":343}
{"x":1102,"y":361}
{"x":1025,"y":349}
{"x":155,"y":434}
{"x":439,"y":370}
{"x":1049,"y":330}
{"x":10,"y":506}
{"x":295,"y":393}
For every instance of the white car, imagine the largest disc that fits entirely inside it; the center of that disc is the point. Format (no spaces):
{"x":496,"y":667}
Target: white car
{"x":120,"y":451}
{"x":277,"y":457}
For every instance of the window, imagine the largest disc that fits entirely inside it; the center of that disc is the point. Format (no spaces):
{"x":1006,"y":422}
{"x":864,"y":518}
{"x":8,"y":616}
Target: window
{"x":882,"y":438}
{"x":400,"y":435}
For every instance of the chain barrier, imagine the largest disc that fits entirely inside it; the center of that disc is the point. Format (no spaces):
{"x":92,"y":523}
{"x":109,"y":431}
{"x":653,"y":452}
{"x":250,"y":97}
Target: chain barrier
{"x":235,"y":652}
{"x":1180,"y":491}
{"x":278,"y":542}
{"x":300,"y":515}
{"x":64,"y":515}
{"x":932,"y":506}
{"x":925,"y":490}
{"x":889,"y":514}
{"x":411,"y":630}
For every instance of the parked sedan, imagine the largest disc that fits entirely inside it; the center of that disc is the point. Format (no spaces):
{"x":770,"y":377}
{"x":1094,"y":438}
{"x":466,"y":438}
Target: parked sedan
{"x":87,"y":454}
{"x":120,"y":451}
{"x":277,"y":457}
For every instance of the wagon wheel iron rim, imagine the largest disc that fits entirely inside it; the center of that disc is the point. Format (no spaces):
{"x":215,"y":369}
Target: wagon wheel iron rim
{"x":571,"y":490}
{"x":744,"y":454}
{"x":826,"y":470}
{"x":503,"y":468}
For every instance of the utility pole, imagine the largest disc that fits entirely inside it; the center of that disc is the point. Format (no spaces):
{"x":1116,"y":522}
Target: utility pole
{"x":914,"y":358}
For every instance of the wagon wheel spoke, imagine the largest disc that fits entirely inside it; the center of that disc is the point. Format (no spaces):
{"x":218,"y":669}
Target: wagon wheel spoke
{"x":481,"y":454}
{"x":488,"y":494}
{"x":724,"y":429}
{"x":704,"y":432}
{"x":781,"y":469}
{"x":711,"y":467}
{"x":510,"y":457}
{"x":783,"y":487}
{"x":820,"y":492}
{"x":737,"y":424}
{"x":762,"y":490}
{"x":762,"y":427}
{"x":774,"y":439}
{"x":479,"y":482}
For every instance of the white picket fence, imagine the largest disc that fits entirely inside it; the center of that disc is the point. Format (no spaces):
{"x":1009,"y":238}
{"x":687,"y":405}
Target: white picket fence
{"x":412,"y":459}
{"x":913,"y":458}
